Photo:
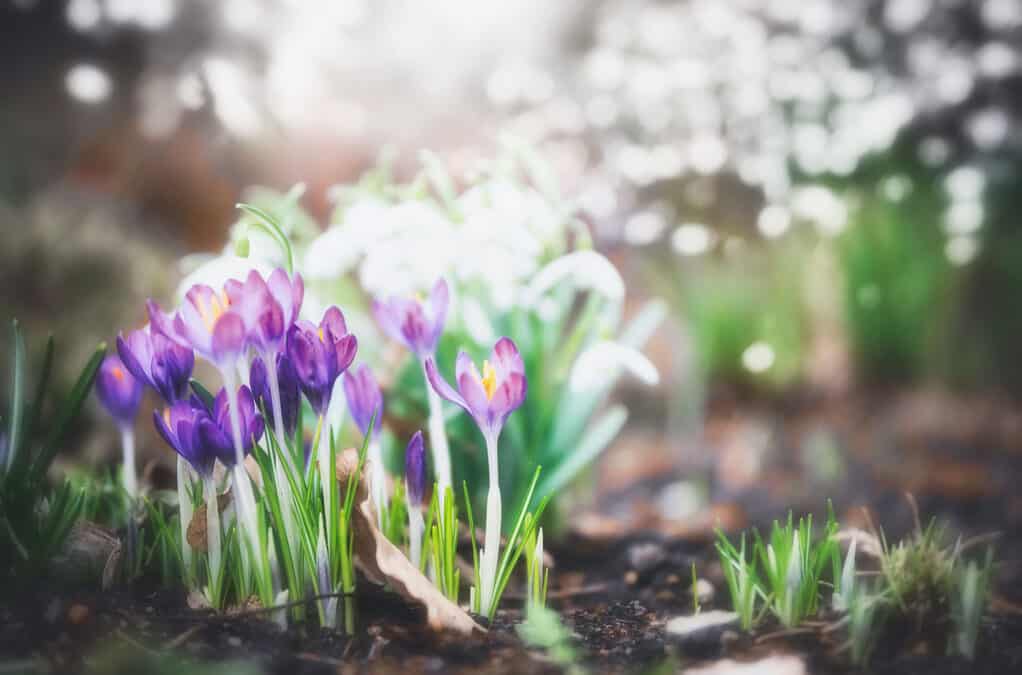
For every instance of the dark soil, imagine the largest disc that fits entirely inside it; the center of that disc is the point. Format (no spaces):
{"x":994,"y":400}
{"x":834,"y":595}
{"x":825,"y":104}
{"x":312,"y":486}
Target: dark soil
{"x":616,"y":608}
{"x":615,"y":591}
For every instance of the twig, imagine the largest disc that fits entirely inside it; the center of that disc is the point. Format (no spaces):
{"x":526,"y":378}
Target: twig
{"x":135,"y":643}
{"x":784,"y":633}
{"x":183,"y":637}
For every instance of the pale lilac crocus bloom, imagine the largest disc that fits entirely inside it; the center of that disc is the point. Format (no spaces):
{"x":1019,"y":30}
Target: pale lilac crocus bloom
{"x":268,"y":309}
{"x":418,"y":325}
{"x":489,"y":397}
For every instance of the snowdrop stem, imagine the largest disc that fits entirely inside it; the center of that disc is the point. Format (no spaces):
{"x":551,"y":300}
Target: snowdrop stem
{"x":438,"y":441}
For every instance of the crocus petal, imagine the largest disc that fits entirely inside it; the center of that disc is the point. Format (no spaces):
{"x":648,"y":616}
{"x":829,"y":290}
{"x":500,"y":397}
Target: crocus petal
{"x":287,"y":293}
{"x":441,"y":387}
{"x":364,"y":398}
{"x":471,"y":388}
{"x":509,"y":396}
{"x":333,"y":323}
{"x":439,"y":299}
{"x":463,"y":364}
{"x":228,"y":337}
{"x":163,"y":323}
{"x":387,"y":319}
{"x":345,"y":351}
{"x":506,"y":358}
{"x":136,"y":350}
{"x":118,"y":390}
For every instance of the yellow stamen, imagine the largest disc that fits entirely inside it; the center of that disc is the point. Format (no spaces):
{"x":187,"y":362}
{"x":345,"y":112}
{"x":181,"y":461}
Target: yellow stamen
{"x":320,"y":332}
{"x":166,"y":416}
{"x":118,"y":374}
{"x":489,"y":380}
{"x":213,"y":311}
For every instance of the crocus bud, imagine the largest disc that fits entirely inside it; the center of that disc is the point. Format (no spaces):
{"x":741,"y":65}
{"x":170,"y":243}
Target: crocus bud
{"x":415,"y":469}
{"x":118,"y":391}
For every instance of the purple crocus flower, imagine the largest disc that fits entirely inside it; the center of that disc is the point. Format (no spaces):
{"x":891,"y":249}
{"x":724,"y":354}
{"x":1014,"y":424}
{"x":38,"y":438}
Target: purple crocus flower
{"x":206,"y":322}
{"x":118,"y":391}
{"x":290,"y":393}
{"x":156,"y":360}
{"x":364,"y":398}
{"x":320,"y":354}
{"x":416,"y":324}
{"x":415,"y":469}
{"x":215,"y":431}
{"x":267,"y":308}
{"x":489,"y":397}
{"x":179,"y":426}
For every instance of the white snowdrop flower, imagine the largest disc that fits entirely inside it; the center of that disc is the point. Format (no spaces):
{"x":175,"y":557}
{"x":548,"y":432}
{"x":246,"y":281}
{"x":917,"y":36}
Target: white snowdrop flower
{"x":585,"y":270}
{"x":602,"y":359}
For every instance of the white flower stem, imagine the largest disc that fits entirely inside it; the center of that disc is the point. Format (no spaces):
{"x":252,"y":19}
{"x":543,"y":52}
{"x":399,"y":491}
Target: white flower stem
{"x":415,"y":531}
{"x":213,"y":537}
{"x":244,"y":496}
{"x":491,"y":543}
{"x":275,"y":403}
{"x":438,"y":440}
{"x":185,"y":511}
{"x":128,"y":468}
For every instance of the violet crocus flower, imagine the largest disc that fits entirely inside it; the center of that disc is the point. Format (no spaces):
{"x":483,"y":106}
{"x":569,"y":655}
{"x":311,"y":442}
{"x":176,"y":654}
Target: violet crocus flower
{"x":179,"y":426}
{"x":415,"y":489}
{"x":320,"y":354}
{"x":215,"y":431}
{"x":414,"y":323}
{"x":489,"y":398}
{"x":157,"y":361}
{"x":206,"y":323}
{"x":290,"y":393}
{"x":118,"y":390}
{"x":267,"y":308}
{"x":120,"y":393}
{"x":364,"y":398}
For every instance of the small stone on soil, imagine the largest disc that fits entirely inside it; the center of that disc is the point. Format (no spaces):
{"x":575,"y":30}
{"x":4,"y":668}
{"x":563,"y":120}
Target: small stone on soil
{"x":772,"y":665}
{"x":701,"y":632}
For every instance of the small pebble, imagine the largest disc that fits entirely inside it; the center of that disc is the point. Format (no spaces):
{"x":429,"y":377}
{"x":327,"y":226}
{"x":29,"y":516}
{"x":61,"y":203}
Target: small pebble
{"x":234,"y":641}
{"x":701,"y":633}
{"x":78,"y":614}
{"x":631,"y":577}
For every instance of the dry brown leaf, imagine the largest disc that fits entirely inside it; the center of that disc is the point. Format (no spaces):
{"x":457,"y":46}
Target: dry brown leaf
{"x":197,"y":528}
{"x":383,"y":562}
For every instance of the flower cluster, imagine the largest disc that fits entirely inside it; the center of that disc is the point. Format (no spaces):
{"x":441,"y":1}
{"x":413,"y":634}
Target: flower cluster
{"x":271,"y":359}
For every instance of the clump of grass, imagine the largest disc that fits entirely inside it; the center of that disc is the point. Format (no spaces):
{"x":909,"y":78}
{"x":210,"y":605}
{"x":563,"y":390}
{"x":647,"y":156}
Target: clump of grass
{"x":921,"y":579}
{"x":36,"y":518}
{"x":742,"y":580}
{"x":969,"y":603}
{"x":794,"y":564}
